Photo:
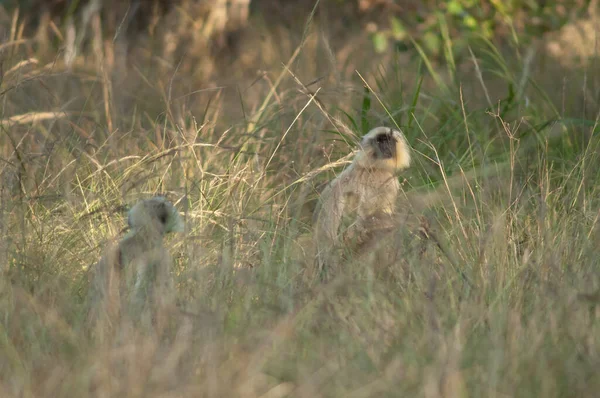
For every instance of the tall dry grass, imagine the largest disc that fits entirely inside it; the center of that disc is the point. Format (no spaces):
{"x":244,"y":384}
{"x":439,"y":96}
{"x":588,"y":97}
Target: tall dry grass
{"x":496,"y":293}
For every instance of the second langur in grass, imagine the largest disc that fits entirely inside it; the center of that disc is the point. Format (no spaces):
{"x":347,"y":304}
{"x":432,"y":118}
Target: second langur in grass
{"x":136,"y":271}
{"x":364,"y":194}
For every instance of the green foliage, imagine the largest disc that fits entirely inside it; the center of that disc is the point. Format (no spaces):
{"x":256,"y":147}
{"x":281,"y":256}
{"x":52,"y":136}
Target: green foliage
{"x":452,"y":24}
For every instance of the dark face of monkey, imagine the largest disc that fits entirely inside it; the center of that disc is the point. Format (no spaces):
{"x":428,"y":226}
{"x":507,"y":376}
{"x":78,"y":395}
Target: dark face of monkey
{"x":385,"y":146}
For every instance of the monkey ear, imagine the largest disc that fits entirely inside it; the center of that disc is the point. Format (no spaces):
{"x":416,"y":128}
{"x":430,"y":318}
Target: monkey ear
{"x":365,"y":141}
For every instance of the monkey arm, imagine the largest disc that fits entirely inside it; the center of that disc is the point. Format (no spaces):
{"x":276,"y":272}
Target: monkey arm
{"x":333,"y":204}
{"x":331,"y":212}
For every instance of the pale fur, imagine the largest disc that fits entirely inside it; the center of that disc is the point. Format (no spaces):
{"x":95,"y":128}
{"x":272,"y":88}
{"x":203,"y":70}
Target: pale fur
{"x":136,"y":271}
{"x":365,"y":193}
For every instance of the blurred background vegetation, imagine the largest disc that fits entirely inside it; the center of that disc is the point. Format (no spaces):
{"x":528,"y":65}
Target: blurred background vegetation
{"x":240,"y":111}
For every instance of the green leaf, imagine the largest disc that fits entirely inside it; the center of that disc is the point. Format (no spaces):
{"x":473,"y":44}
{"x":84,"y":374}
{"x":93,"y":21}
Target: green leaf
{"x":380,"y":42}
{"x":455,"y":8}
{"x":366,"y":106}
{"x":398,"y":30}
{"x":415,"y":98}
{"x":470,"y":22}
{"x":432,"y":42}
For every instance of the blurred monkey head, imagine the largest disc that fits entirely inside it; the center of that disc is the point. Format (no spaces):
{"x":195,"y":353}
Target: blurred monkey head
{"x":383,"y":148}
{"x":156,"y":214}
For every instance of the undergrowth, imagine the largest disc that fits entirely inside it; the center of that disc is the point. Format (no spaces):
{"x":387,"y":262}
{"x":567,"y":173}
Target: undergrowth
{"x":497,"y":292}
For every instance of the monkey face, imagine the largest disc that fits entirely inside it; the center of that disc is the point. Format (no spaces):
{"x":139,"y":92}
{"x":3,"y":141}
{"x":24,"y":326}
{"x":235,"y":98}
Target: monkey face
{"x":156,"y":213}
{"x":384,"y":148}
{"x":384,"y":145}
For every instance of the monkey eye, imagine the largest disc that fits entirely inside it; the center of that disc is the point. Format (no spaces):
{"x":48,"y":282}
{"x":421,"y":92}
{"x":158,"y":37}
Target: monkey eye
{"x":383,"y":138}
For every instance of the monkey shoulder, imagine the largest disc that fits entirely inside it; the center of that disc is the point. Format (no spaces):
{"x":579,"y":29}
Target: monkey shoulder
{"x":139,"y":242}
{"x":348,"y":177}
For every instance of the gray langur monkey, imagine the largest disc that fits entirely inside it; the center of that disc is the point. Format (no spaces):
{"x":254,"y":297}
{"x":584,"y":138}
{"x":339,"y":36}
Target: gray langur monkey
{"x":136,"y":271}
{"x":365,"y":193}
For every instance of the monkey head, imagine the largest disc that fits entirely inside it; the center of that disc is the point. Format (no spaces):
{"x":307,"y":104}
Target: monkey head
{"x":383,"y":148}
{"x":155,"y":214}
